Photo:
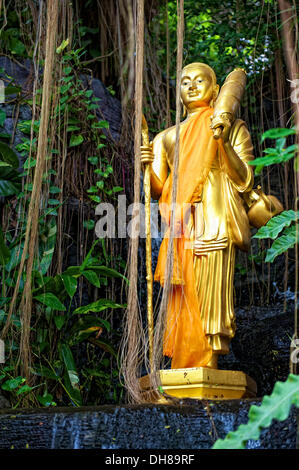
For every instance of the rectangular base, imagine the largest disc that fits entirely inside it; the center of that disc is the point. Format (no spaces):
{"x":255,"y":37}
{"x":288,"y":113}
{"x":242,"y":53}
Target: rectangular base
{"x":204,"y":383}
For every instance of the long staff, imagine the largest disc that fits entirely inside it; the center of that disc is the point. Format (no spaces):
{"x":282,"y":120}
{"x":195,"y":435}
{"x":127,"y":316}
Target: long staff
{"x":148,"y":247}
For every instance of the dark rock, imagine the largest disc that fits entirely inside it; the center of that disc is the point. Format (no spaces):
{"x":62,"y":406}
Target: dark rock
{"x":191,"y":425}
{"x":4,"y":403}
{"x":22,"y":74}
{"x":261,"y":346}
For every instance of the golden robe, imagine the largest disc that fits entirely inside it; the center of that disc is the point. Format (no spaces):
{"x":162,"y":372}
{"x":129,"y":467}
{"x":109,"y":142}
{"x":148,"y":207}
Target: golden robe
{"x":217,"y":225}
{"x":221,"y":225}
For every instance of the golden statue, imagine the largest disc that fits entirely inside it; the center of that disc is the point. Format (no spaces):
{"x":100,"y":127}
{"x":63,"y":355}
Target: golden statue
{"x":214,"y":181}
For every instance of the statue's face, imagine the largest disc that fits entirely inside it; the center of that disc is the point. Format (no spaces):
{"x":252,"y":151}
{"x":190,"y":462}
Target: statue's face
{"x":196,"y":87}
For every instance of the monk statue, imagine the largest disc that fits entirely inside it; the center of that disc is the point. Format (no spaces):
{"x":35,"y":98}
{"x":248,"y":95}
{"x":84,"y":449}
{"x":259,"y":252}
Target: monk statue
{"x":210,"y":220}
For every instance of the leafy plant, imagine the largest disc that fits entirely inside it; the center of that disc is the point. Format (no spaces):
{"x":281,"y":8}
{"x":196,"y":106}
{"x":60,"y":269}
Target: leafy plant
{"x":276,"y":406}
{"x":278,"y":154}
{"x":82,"y":325}
{"x":284,"y":223}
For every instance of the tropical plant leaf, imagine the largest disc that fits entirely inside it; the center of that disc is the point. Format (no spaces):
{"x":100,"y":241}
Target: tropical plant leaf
{"x":15,"y":257}
{"x":50,"y":300}
{"x":8,"y":155}
{"x":70,"y":284}
{"x":97,"y":306}
{"x":76,"y":140}
{"x":73,"y":271}
{"x":71,"y":377}
{"x":88,"y":257}
{"x":109,"y":272}
{"x":46,"y":399}
{"x":46,"y":247}
{"x":283,"y":243}
{"x":8,"y":188}
{"x":276,"y":406}
{"x":86,"y":326}
{"x":277,"y":224}
{"x":2,"y":117}
{"x":59,"y":321}
{"x":92,"y":277}
{"x":12,"y":384}
{"x":44,"y":371}
{"x":105,"y":345}
{"x":277,"y":133}
{"x":24,"y":389}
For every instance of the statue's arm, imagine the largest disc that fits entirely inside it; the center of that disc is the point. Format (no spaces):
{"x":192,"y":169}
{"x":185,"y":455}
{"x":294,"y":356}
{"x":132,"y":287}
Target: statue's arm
{"x":238,"y":151}
{"x":159,"y":167}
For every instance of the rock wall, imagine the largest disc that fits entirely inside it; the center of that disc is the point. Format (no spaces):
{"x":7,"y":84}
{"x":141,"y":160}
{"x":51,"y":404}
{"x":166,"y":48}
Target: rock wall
{"x":193,"y":425}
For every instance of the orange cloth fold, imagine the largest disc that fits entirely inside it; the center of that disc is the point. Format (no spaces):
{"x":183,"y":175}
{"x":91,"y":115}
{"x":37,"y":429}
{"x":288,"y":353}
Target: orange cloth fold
{"x":184,"y":338}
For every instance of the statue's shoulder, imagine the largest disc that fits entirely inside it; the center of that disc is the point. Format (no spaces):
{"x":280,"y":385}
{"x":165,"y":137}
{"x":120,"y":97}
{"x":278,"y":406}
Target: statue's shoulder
{"x":164,"y":136}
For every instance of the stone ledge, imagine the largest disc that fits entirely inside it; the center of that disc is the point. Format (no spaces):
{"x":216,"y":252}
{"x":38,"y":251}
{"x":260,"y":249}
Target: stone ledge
{"x":192,"y":424}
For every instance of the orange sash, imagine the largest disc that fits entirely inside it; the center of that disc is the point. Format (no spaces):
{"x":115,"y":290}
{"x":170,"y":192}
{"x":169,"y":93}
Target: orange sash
{"x":184,"y":339}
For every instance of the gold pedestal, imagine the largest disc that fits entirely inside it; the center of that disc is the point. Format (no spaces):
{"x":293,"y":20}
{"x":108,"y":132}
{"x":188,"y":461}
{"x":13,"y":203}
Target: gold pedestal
{"x":203,"y":383}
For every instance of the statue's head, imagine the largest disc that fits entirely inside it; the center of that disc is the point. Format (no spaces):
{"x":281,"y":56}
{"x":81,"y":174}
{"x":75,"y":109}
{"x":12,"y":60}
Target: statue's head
{"x":198,"y":86}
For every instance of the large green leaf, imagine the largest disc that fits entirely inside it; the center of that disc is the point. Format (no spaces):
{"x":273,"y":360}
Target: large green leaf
{"x":105,"y":345}
{"x":105,"y":271}
{"x":12,"y":384}
{"x":8,"y":188}
{"x":274,"y":156}
{"x":97,"y":306}
{"x":88,"y":257}
{"x":15,"y":257}
{"x":277,"y":224}
{"x":70,"y":284}
{"x":76,"y":140}
{"x":71,"y":377}
{"x":92,"y":277}
{"x":276,"y":406}
{"x":46,"y":247}
{"x":85,"y":327}
{"x":50,"y":300}
{"x":277,"y":133}
{"x":283,"y":243}
{"x":8,"y":155}
{"x":44,"y":371}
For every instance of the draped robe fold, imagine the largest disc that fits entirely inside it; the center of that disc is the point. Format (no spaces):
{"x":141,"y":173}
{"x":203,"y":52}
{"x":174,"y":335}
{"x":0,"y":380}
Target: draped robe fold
{"x":210,"y":221}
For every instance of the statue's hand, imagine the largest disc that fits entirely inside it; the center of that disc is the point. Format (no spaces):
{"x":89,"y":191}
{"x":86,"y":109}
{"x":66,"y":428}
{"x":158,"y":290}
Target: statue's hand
{"x":147,"y":155}
{"x":221,"y":126}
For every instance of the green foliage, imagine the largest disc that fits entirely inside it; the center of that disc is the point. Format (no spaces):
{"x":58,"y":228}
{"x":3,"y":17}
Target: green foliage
{"x":10,"y":183}
{"x":276,"y":406}
{"x":286,"y":241}
{"x":289,"y":237}
{"x":58,"y":291}
{"x":276,"y":225}
{"x":58,"y":333}
{"x":284,"y":223}
{"x":278,"y":154}
{"x":223,"y":35}
{"x":11,"y":36}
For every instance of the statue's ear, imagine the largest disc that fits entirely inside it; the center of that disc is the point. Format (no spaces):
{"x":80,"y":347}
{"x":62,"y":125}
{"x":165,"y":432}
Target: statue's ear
{"x":216,"y":92}
{"x":184,"y":109}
